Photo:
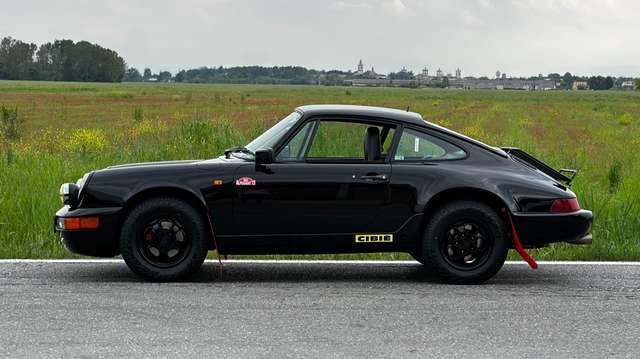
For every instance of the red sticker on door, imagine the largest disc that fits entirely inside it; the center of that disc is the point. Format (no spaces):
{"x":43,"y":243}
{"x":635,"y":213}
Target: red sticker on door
{"x":245,"y":181}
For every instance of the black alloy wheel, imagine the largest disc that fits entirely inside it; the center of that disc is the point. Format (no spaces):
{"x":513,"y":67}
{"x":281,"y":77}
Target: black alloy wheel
{"x":164,"y":239}
{"x":465,"y":242}
{"x":466,"y":245}
{"x":164,"y":242}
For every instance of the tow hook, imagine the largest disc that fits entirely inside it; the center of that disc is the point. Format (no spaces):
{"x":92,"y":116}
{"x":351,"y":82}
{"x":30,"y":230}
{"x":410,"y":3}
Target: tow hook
{"x":518,"y":246}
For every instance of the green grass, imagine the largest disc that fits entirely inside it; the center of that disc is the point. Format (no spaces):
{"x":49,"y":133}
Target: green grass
{"x":72,"y":128}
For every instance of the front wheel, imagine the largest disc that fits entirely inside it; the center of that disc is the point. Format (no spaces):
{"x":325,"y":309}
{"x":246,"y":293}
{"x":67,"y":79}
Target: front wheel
{"x":164,"y":239}
{"x":465,"y":242}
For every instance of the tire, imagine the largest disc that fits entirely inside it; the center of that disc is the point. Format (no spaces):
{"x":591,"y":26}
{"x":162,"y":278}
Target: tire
{"x":164,"y":239}
{"x":465,"y":242}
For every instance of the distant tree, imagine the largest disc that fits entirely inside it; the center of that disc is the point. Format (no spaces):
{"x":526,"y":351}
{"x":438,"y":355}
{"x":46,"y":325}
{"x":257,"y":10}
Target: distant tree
{"x":554,"y":76}
{"x":180,"y":76}
{"x":445,"y":82}
{"x":637,"y":82}
{"x":132,"y":75}
{"x":600,"y":82}
{"x":60,"y":60}
{"x":164,"y":76}
{"x":567,"y":80}
{"x":147,"y":74}
{"x":16,"y":59}
{"x":402,"y":75}
{"x":608,"y":82}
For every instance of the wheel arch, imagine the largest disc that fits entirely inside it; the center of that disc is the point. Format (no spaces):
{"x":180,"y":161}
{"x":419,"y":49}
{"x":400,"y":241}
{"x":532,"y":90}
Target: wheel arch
{"x":465,"y":193}
{"x":170,"y":191}
{"x":449,"y":195}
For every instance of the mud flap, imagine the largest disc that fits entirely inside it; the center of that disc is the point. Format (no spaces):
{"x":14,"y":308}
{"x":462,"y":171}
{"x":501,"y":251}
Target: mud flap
{"x":518,"y":246}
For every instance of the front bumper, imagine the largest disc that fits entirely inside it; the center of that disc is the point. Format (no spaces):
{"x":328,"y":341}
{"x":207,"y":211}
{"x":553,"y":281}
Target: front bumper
{"x":540,"y":229}
{"x":101,"y":242}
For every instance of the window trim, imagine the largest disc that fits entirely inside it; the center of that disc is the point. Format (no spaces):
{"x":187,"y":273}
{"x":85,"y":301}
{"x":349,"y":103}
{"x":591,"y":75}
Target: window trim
{"x":376,"y":121}
{"x":428,"y":133}
{"x":309,"y":139}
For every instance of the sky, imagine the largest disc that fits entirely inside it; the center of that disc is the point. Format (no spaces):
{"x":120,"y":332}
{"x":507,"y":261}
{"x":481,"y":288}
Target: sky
{"x":517,"y":37}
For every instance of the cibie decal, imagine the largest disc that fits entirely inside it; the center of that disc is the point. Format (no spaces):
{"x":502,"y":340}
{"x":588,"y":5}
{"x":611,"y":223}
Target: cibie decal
{"x":245,"y":181}
{"x":374,"y":238}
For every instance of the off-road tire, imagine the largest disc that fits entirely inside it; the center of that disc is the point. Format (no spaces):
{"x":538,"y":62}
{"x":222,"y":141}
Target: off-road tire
{"x":194,"y":226}
{"x":440,"y":223}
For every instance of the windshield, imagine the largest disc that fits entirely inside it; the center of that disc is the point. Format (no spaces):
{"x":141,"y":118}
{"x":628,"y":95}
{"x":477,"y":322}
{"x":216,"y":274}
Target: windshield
{"x":269,"y":138}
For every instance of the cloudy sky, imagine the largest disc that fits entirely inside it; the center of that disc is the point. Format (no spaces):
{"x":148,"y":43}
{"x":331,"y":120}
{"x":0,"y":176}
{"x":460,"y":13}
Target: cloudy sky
{"x":519,"y":37}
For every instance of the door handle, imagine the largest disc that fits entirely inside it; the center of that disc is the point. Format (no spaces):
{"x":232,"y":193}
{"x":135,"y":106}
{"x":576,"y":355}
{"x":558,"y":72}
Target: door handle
{"x":374,"y":177}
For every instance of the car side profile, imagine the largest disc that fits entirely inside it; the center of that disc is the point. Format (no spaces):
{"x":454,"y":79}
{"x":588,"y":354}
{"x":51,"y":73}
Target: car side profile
{"x":328,"y":179}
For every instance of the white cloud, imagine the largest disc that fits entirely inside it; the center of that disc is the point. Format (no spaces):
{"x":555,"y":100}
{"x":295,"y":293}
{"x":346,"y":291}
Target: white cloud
{"x":481,"y":36}
{"x":347,"y":5}
{"x":399,"y":6}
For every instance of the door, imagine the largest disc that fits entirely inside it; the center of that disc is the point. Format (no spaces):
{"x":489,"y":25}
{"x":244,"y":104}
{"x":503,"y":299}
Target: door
{"x":320,"y":191}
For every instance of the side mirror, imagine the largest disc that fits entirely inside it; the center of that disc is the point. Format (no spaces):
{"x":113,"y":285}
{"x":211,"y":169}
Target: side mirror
{"x":264,"y":157}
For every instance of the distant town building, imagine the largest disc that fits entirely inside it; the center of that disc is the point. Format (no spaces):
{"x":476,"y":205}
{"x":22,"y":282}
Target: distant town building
{"x":424,"y":75}
{"x":580,"y":85}
{"x":423,"y":79}
{"x":628,"y":85}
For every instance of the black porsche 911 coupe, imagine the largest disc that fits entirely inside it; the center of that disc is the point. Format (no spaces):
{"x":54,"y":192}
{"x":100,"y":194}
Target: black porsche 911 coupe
{"x":329,"y":179}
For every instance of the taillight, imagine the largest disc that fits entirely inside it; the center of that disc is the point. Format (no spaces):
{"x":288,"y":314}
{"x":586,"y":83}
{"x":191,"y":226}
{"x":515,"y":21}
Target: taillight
{"x":565,"y":205}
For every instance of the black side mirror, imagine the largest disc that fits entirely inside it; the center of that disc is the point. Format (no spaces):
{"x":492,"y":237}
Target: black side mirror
{"x":264,"y":157}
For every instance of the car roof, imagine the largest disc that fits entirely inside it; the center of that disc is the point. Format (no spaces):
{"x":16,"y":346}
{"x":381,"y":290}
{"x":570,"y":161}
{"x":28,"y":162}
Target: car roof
{"x":368,"y":111}
{"x":406,"y":117}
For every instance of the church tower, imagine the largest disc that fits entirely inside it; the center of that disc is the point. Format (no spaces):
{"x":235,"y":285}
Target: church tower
{"x":360,"y":67}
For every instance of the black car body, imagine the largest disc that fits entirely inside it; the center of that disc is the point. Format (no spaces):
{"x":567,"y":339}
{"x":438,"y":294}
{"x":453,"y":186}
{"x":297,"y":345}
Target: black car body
{"x":265,"y":199}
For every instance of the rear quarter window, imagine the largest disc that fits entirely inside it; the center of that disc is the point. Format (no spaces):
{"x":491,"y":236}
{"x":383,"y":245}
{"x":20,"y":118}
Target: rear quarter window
{"x":418,"y":146}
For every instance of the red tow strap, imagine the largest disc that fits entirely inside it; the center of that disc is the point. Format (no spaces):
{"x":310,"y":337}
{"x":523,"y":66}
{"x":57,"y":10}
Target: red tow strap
{"x":518,"y":246}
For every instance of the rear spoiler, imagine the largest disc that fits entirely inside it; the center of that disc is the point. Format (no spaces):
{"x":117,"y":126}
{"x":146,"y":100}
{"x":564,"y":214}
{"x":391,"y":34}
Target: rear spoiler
{"x":563,"y":175}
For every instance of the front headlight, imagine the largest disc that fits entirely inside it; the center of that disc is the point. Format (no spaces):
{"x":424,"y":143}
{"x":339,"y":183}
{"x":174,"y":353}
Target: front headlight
{"x":69,"y":193}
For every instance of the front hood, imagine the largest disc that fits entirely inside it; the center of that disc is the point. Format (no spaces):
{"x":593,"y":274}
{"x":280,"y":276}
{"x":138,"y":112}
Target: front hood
{"x":153,"y":164}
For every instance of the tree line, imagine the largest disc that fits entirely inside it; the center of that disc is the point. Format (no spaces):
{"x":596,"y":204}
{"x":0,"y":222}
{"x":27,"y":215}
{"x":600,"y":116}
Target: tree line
{"x":65,"y":60}
{"x":238,"y":75}
{"x":61,"y":60}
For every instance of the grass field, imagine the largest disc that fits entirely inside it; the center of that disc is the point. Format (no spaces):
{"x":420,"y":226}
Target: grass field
{"x":72,"y":128}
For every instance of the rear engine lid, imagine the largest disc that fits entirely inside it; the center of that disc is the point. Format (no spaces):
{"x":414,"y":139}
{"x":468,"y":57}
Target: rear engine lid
{"x":562,"y":175}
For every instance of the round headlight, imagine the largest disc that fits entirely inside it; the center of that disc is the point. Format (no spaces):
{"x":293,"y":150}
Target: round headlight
{"x":69,"y":193}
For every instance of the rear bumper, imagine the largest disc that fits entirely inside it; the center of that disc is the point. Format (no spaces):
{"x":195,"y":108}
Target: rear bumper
{"x":101,"y":242}
{"x":538,"y":229}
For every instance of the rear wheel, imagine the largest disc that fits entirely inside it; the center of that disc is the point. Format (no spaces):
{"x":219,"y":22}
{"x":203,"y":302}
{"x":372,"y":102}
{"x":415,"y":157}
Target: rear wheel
{"x":465,"y":242}
{"x":164,"y":239}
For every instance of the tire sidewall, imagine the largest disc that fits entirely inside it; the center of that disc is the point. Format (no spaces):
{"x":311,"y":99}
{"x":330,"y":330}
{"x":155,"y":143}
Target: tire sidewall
{"x":188,"y":217}
{"x":443,"y":220}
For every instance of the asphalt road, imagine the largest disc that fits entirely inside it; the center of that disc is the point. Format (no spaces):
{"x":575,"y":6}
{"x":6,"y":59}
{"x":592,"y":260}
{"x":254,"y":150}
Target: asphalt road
{"x":99,"y":309}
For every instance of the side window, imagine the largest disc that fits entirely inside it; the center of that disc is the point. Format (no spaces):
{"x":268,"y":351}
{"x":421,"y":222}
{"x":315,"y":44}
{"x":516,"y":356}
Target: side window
{"x":295,"y":149}
{"x":335,"y":140}
{"x":338,"y":140}
{"x":416,"y":146}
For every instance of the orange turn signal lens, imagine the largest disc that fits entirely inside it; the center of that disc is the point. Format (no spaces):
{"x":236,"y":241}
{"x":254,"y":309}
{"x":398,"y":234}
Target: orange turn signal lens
{"x":72,"y":223}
